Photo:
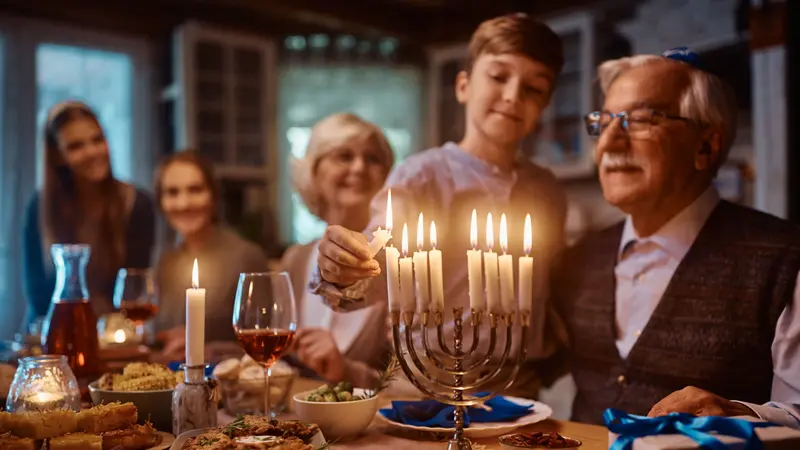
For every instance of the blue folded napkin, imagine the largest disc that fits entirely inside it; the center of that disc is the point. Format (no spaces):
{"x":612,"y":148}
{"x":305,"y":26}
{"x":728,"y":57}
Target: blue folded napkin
{"x":431,"y":413}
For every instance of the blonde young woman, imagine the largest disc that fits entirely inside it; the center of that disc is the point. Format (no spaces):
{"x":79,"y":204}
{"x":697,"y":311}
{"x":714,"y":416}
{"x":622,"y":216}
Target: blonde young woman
{"x":346,"y":163}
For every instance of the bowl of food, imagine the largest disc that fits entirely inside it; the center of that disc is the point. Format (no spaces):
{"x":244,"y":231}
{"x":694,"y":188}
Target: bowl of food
{"x":340,"y":411}
{"x":537,"y":439}
{"x":148,"y":386}
{"x":241,"y":384}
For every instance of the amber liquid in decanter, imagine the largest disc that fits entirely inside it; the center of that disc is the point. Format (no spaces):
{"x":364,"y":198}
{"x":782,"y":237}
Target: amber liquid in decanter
{"x":72,"y":332}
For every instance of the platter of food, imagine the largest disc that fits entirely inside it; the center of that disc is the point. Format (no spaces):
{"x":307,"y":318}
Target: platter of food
{"x":104,"y":427}
{"x":254,"y":433}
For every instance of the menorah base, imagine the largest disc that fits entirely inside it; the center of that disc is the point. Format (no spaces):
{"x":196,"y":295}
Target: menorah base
{"x":459,"y":444}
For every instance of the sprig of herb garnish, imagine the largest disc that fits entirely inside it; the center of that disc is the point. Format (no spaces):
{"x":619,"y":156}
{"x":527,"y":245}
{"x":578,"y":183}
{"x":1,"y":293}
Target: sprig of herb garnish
{"x":234,"y":426}
{"x":386,"y":377}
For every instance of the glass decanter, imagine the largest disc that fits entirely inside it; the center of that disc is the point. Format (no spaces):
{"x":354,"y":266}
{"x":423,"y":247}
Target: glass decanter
{"x":70,"y":328}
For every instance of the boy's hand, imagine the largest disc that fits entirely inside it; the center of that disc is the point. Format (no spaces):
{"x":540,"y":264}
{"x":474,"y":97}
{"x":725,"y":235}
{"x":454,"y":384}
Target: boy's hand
{"x":344,"y":257}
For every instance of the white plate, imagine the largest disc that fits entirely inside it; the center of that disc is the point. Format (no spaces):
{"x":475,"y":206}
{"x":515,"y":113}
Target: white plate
{"x":478,"y":430}
{"x":317,"y":441}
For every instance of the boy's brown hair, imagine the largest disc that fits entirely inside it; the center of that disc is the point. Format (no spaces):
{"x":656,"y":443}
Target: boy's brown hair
{"x":517,"y":33}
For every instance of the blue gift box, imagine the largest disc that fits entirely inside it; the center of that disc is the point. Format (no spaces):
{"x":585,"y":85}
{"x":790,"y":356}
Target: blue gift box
{"x":685,"y":432}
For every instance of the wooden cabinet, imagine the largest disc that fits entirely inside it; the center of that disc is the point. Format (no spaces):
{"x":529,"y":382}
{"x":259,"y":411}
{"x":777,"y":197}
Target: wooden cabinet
{"x":222,"y":103}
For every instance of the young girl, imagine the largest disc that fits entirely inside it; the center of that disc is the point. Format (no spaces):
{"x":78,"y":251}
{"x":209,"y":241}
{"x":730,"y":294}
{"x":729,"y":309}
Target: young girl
{"x":189,"y":199}
{"x":81,"y":202}
{"x":507,"y":83}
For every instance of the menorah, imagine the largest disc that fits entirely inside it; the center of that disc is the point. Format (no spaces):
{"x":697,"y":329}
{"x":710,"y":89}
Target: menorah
{"x":453,"y":393}
{"x":427,"y":296}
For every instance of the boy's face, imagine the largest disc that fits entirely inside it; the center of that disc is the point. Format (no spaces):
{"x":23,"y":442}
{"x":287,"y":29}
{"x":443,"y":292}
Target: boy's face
{"x":504,"y":95}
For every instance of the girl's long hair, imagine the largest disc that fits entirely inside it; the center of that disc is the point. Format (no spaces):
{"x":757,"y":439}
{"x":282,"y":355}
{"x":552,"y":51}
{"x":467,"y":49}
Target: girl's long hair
{"x":60,"y":209}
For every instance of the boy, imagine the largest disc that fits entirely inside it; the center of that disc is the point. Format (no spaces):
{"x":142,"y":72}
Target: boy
{"x":508,"y":81}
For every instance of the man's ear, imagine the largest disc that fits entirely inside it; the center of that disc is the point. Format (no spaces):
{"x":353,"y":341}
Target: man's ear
{"x":462,"y":87}
{"x":709,"y":153}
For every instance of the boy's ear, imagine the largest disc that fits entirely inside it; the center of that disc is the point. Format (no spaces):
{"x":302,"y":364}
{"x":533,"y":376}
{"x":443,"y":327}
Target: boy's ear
{"x":462,"y":87}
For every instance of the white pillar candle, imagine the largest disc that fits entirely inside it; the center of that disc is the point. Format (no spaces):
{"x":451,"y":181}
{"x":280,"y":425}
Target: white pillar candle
{"x":392,"y":263}
{"x":490,"y":270}
{"x":406,"y":277}
{"x":476,"y":300}
{"x":526,"y":270}
{"x":380,"y":236}
{"x":195,"y":321}
{"x":421,"y":269}
{"x":437,"y":279}
{"x":393,"y":278}
{"x":506,"y":263}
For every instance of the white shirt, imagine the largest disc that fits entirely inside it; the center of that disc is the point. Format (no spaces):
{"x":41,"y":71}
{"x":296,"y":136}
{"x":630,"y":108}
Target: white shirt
{"x":645,"y":268}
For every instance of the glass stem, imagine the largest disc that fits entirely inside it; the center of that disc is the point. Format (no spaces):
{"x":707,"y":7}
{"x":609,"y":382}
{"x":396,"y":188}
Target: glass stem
{"x":267,"y":403}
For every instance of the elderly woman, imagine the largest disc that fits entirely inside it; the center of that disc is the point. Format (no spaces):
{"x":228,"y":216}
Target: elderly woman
{"x":346,"y":163}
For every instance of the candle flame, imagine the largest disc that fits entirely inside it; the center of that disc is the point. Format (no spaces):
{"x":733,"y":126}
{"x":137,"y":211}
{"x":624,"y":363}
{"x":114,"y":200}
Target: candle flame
{"x":389,"y":212}
{"x":473,"y":230}
{"x":503,"y":234}
{"x":405,"y":240}
{"x":119,"y":336}
{"x":527,"y":239}
{"x":195,"y":282}
{"x":489,"y":232}
{"x":420,"y":233}
{"x":433,"y":235}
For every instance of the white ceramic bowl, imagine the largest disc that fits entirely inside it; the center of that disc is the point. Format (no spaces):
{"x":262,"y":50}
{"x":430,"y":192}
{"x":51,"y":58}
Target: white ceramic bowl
{"x":340,"y":420}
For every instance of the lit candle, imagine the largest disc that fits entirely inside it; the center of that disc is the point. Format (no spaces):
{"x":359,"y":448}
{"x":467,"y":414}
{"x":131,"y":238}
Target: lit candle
{"x":43,"y":401}
{"x":421,"y":269}
{"x":406,"y":276}
{"x":506,"y":263}
{"x":490,"y":270}
{"x":380,"y":236}
{"x":526,"y":270}
{"x":437,"y":279}
{"x":392,"y":265}
{"x":195,"y":321}
{"x":476,"y":299}
{"x":119,"y":336}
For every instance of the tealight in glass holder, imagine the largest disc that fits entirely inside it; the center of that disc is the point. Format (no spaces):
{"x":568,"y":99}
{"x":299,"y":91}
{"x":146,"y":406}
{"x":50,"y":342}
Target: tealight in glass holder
{"x":43,"y":383}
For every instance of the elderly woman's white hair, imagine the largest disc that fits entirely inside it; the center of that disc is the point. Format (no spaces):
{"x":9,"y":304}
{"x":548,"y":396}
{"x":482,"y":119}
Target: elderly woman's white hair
{"x":327,"y":135}
{"x":707,"y":100}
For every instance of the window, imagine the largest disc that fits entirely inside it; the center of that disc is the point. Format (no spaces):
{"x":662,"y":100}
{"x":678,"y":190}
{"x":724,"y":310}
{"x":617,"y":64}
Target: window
{"x":101,"y":79}
{"x":390,"y":97}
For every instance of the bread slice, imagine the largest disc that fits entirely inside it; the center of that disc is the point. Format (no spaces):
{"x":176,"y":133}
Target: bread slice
{"x":133,"y":438}
{"x":10,"y":442}
{"x":39,"y":425}
{"x":108,"y":417}
{"x":77,"y":441}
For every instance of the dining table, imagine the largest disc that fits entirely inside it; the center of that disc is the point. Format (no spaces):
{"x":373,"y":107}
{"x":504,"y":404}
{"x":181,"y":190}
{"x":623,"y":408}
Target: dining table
{"x":376,"y":437}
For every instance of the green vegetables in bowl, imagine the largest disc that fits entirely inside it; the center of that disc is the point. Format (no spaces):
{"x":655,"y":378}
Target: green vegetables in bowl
{"x":342,"y":392}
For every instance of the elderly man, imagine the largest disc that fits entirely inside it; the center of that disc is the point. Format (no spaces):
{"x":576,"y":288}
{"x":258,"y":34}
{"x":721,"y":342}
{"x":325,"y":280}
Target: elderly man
{"x":689,"y":290}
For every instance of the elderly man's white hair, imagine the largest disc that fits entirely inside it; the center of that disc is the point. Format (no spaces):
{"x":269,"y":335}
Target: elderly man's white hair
{"x":707,"y":100}
{"x":327,"y":135}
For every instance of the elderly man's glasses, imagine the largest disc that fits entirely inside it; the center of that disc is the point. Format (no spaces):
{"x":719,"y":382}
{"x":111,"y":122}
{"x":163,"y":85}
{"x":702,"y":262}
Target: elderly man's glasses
{"x":636,"y":122}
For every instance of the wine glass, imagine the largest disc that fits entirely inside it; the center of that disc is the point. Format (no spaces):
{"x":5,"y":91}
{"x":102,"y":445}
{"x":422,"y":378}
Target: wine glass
{"x":265,"y":320}
{"x":135,"y":296}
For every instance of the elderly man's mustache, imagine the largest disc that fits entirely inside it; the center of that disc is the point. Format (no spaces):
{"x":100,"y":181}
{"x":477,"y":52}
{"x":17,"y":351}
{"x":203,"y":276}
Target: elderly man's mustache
{"x":619,"y":161}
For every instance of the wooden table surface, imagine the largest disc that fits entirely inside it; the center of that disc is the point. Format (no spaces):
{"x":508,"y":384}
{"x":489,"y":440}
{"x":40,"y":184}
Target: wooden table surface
{"x":593,"y":437}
